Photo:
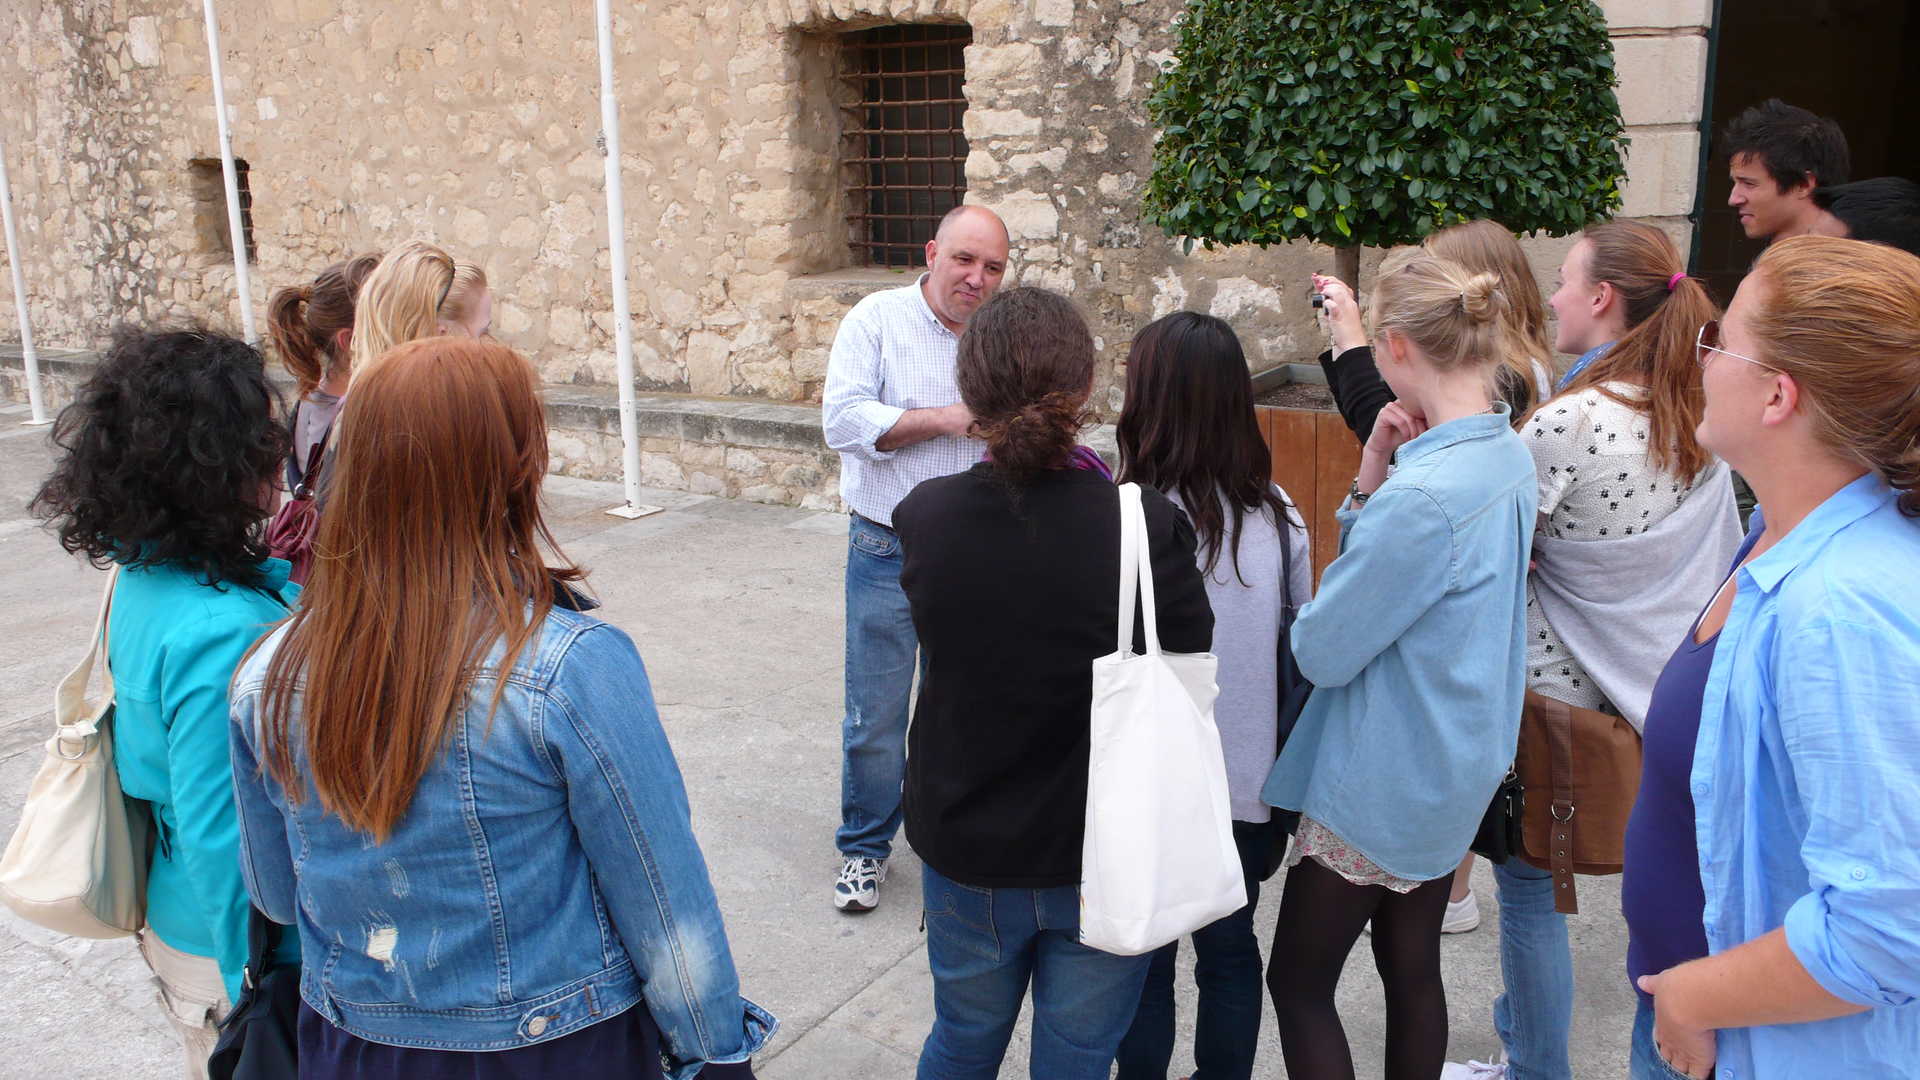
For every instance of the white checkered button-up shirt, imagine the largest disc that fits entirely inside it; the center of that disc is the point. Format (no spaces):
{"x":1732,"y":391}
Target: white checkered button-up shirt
{"x":891,"y":354}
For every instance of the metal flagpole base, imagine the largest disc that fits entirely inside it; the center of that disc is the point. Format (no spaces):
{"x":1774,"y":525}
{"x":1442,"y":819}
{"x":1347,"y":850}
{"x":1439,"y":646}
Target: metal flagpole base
{"x":634,"y":510}
{"x":37,"y":423}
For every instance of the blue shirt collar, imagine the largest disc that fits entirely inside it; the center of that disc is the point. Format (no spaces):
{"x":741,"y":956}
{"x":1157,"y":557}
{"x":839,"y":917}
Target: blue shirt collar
{"x":1477,"y":426}
{"x":1581,"y":364}
{"x":274,"y":574}
{"x":920,"y":297}
{"x":1842,"y":508}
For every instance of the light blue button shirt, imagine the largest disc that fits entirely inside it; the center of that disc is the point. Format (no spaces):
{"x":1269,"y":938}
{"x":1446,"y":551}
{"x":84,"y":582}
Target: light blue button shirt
{"x":1416,"y":646}
{"x":1806,"y":783}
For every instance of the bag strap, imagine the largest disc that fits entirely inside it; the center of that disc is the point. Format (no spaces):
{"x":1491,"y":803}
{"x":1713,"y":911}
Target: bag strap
{"x":309,"y":475}
{"x":1559,"y":721}
{"x":1289,"y":608}
{"x":1136,"y":573}
{"x":263,"y":937}
{"x":70,"y":696}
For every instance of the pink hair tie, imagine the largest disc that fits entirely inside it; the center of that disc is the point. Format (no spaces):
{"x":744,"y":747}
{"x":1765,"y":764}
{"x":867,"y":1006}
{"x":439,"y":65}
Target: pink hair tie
{"x":1676,"y":279}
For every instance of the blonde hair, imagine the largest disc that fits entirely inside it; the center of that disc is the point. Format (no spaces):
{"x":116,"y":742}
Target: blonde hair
{"x":1456,"y":317}
{"x":1488,"y":246}
{"x":1842,"y":317}
{"x":415,"y":288}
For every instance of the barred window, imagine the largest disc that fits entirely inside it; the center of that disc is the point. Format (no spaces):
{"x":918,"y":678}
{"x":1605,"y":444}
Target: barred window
{"x":208,"y":186}
{"x":905,"y":156}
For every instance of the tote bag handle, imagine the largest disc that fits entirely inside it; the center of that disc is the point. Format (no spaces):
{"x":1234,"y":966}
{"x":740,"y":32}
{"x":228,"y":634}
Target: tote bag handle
{"x":1136,"y":573}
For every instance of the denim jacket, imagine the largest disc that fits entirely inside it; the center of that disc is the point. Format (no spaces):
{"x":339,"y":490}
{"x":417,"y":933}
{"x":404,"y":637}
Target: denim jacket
{"x":545,"y":876}
{"x":1416,"y":647}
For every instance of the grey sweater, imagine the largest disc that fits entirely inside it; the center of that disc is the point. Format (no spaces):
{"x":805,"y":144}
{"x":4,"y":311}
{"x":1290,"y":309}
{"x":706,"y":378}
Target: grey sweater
{"x":1246,"y":630}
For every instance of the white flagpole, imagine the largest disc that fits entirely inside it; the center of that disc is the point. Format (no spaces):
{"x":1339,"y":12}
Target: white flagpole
{"x":241,"y":280}
{"x":31,"y":359}
{"x":617,"y":250}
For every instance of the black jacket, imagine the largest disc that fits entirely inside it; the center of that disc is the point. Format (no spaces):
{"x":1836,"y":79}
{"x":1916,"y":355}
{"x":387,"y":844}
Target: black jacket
{"x":1013,"y":600}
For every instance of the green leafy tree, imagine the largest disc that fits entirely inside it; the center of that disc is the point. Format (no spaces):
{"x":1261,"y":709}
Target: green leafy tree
{"x":1376,"y":122}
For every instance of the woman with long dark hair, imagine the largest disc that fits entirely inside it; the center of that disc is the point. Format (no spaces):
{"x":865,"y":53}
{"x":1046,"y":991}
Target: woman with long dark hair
{"x":454,"y":781}
{"x":1011,"y":571}
{"x":1188,"y":429}
{"x":167,"y":462}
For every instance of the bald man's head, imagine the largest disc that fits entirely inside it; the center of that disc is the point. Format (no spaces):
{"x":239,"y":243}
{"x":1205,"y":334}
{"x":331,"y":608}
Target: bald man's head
{"x":965,"y":261}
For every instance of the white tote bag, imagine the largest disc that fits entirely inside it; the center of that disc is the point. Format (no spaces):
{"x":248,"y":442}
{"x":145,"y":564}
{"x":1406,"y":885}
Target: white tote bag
{"x":1159,"y":859}
{"x":77,"y":862}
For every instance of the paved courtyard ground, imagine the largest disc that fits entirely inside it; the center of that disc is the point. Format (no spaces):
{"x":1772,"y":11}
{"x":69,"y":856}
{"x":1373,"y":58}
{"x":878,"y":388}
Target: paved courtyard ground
{"x":736,"y":608}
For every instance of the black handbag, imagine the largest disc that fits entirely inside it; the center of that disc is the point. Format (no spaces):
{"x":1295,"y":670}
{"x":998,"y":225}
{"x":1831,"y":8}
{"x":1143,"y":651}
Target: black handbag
{"x":1294,"y":690}
{"x":259,"y":1036}
{"x":1498,"y":838}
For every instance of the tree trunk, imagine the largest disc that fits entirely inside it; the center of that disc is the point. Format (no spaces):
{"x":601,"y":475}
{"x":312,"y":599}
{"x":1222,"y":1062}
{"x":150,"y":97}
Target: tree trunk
{"x":1346,"y":266}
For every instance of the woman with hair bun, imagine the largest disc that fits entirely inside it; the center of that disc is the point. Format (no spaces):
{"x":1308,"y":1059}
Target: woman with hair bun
{"x":1414,"y":645}
{"x":1010,"y":570}
{"x":1798,"y":954}
{"x":311,"y":327}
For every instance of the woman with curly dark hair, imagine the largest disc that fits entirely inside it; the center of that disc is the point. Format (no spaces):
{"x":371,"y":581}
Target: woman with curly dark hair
{"x":167,"y":470}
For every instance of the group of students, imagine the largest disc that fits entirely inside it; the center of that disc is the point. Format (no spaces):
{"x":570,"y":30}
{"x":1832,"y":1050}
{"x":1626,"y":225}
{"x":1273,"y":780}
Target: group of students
{"x":1512,"y":532}
{"x":431,"y":760}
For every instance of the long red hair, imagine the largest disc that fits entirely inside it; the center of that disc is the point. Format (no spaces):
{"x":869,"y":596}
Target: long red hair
{"x":431,"y":548}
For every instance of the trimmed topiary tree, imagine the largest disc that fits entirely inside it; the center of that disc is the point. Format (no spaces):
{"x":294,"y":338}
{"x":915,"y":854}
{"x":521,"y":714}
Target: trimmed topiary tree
{"x":1379,"y":121}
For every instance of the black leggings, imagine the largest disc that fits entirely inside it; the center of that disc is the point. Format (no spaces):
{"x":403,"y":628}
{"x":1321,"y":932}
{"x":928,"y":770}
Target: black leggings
{"x":1321,"y":915}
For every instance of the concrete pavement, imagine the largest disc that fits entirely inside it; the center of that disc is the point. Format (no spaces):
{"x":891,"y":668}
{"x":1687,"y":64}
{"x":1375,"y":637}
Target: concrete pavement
{"x":736,"y":608}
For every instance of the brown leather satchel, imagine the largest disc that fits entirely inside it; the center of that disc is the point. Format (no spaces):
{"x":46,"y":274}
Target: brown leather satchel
{"x":1580,"y":769}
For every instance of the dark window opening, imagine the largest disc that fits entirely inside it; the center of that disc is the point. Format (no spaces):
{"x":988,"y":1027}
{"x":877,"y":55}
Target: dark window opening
{"x":905,"y":154}
{"x":213,"y":237}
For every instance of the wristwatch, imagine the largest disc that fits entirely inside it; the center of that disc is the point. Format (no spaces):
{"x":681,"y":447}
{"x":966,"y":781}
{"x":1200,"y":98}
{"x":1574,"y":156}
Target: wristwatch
{"x":1354,"y":494}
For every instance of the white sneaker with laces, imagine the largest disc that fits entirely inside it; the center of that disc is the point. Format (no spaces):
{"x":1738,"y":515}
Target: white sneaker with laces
{"x":1462,"y":916}
{"x":1474,"y":1070}
{"x":857,"y":890}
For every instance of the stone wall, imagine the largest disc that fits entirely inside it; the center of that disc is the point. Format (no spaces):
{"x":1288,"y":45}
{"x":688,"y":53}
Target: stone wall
{"x":368,"y":122}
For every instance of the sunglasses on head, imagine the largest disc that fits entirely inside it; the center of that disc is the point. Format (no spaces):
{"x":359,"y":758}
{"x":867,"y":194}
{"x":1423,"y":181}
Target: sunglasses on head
{"x":1708,"y":341}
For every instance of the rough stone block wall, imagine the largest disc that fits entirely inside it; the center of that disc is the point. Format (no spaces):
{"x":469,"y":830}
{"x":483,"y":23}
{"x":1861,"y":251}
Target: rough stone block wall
{"x":369,"y":122}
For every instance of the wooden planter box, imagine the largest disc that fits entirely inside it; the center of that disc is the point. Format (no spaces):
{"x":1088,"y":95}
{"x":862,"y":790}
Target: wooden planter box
{"x":1315,"y":459}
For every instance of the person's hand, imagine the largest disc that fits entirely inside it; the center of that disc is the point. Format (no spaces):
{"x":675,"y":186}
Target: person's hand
{"x":1689,"y":1050}
{"x":1342,"y":311}
{"x":1396,"y":426}
{"x":958,"y":420}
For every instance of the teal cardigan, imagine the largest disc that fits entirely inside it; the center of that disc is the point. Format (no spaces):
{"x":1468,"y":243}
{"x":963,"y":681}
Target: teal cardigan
{"x":173,"y":643}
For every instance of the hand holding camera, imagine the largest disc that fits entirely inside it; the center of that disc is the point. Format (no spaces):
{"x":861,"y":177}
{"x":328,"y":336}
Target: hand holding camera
{"x":1342,"y":311}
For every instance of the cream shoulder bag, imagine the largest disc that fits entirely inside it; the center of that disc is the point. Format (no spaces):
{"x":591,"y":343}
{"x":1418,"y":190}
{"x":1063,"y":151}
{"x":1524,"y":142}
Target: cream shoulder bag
{"x":77,"y":862}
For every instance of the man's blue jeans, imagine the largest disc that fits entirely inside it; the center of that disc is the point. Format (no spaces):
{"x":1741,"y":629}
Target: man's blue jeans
{"x":1227,"y":969}
{"x":879,"y":671}
{"x":1535,"y":1016}
{"x":985,"y":946}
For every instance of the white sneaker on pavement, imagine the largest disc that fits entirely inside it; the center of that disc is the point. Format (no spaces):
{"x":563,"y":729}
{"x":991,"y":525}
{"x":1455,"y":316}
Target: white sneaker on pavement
{"x":1474,"y":1070}
{"x":1462,"y":916}
{"x":857,"y":889}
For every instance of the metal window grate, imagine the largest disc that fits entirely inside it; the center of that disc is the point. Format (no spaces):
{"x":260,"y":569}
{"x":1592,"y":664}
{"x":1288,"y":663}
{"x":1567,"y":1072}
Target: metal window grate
{"x":906,"y":156}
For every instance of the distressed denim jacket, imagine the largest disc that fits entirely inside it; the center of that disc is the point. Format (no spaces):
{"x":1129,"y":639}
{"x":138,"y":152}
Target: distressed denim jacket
{"x":544,"y":878}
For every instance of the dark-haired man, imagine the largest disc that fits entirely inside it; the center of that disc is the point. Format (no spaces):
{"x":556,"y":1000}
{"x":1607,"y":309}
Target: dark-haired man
{"x":892,"y":410}
{"x":1777,"y":154}
{"x":1884,"y":210}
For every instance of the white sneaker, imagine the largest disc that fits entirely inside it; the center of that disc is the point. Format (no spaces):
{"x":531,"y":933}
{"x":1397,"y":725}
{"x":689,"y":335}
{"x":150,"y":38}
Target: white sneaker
{"x":1463,"y":915}
{"x":857,"y":889}
{"x":1474,"y":1070}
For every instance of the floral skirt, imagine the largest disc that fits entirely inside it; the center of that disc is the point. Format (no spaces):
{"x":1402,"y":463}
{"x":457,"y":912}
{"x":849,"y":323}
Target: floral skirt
{"x":1315,"y":840}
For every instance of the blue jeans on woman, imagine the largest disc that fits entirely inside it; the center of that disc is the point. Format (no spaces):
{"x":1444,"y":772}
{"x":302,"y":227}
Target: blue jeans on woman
{"x":1535,"y":1016}
{"x":1227,"y":969}
{"x":1645,"y":1062}
{"x":985,"y":947}
{"x":881,"y":647}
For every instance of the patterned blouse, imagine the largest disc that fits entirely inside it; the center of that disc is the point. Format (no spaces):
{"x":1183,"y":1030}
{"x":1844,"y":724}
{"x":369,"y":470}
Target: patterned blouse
{"x":1596,"y":481}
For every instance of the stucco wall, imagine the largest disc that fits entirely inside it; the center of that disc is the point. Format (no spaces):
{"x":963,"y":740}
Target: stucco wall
{"x":368,"y":122}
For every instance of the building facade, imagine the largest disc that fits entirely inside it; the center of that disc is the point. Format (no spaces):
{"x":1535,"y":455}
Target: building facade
{"x":778,"y":155}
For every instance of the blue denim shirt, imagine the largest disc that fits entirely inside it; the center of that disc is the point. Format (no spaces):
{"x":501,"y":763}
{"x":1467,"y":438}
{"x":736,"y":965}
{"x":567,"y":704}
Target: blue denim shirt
{"x":1806,"y":782}
{"x":545,"y":876}
{"x":1416,"y":646}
